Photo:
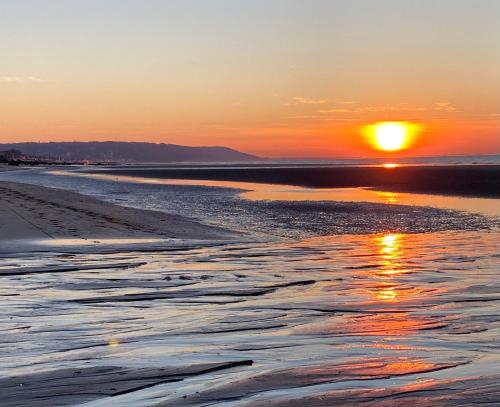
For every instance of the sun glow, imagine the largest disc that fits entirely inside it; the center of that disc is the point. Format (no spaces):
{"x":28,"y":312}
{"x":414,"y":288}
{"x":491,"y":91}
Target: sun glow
{"x":391,"y":136}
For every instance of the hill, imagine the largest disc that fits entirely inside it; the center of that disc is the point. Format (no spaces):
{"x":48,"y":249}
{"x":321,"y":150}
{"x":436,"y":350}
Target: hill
{"x":118,"y":151}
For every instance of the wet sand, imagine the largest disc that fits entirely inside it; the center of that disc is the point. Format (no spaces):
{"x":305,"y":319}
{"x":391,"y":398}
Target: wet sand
{"x":378,"y":319}
{"x":461,"y":180}
{"x":29,"y":213}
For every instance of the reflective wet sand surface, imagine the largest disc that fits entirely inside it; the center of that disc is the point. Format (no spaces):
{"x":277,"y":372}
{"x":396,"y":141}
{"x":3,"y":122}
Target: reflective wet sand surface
{"x":271,"y":192}
{"x":380,"y":319}
{"x":327,"y":302}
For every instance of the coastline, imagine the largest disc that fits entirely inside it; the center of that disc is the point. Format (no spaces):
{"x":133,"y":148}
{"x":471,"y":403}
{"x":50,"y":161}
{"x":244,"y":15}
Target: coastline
{"x":185,"y":322}
{"x":31,"y":213}
{"x":458,"y":180}
{"x":282,"y":216}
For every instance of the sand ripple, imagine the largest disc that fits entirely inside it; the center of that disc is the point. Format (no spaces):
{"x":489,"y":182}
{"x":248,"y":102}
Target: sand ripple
{"x":385,"y":319}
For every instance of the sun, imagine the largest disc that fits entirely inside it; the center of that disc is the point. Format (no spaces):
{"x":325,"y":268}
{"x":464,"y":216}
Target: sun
{"x":391,"y":136}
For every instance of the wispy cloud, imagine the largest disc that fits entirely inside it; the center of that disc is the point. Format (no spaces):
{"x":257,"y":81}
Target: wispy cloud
{"x":320,"y":118}
{"x":444,"y":107}
{"x":21,"y":79}
{"x":373,"y":109}
{"x":337,"y":110}
{"x":398,"y":108}
{"x":11,"y":79}
{"x":307,"y":101}
{"x":37,"y":79}
{"x":347,"y":110}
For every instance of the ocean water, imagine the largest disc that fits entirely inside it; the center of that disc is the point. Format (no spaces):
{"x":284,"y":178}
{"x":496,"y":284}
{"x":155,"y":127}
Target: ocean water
{"x":281,"y":211}
{"x":436,"y":160}
{"x":336,"y":302}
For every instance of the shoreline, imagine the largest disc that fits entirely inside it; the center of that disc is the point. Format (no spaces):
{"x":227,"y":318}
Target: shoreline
{"x":264,"y":218}
{"x":481,"y":181}
{"x":55,"y":217}
{"x":94,"y":319}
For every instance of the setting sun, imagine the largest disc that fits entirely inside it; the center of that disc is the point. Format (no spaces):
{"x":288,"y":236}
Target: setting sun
{"x":391,"y":136}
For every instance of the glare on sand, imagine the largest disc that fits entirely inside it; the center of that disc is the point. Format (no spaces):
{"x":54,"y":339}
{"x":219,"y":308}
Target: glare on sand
{"x":113,"y":342}
{"x":391,"y":136}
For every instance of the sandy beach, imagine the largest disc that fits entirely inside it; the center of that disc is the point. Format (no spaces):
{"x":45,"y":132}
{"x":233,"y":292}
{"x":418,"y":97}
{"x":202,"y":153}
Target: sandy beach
{"x":29,"y":213}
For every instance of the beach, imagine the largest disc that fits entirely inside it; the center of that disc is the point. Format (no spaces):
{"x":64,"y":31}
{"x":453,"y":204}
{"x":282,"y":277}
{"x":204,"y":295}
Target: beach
{"x":29,"y":213}
{"x":250,"y":203}
{"x":107,"y":304}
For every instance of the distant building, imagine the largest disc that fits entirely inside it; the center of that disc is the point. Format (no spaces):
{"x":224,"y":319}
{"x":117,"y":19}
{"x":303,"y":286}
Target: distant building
{"x":11,"y":155}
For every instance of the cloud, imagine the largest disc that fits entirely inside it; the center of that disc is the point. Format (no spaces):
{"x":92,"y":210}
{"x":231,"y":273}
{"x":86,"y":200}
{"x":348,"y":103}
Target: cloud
{"x":37,"y":79}
{"x":370,"y":109}
{"x":444,"y":107}
{"x":346,"y":109}
{"x":399,"y":108}
{"x":11,"y":79}
{"x":306,"y":101}
{"x":321,"y":118}
{"x":337,"y":110}
{"x":23,"y":79}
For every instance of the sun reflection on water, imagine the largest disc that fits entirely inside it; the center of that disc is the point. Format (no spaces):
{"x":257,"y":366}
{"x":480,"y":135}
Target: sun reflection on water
{"x":388,"y":197}
{"x":389,"y":243}
{"x":387,"y":288}
{"x":387,"y":294}
{"x":390,"y":248}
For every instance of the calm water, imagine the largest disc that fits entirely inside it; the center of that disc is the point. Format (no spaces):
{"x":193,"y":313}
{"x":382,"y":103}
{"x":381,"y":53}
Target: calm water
{"x":271,"y":192}
{"x":275,"y":210}
{"x":380,"y":317}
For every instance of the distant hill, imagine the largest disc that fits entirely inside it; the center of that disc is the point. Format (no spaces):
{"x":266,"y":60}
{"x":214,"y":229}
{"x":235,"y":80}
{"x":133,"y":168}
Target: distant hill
{"x":118,"y":151}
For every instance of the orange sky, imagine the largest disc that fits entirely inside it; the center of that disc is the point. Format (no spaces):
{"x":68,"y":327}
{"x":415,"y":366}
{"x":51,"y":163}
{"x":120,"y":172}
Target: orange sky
{"x":276,"y":79}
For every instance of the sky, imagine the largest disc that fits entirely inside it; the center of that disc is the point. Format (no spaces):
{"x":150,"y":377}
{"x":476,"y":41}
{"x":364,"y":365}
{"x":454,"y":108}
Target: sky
{"x":276,"y":78}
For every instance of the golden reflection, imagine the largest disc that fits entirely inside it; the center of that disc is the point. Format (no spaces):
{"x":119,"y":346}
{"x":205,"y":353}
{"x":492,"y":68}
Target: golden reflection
{"x":389,"y":197}
{"x":113,"y":342}
{"x":407,"y":365}
{"x":390,"y":249}
{"x":385,"y":324}
{"x":387,"y":294}
{"x":387,"y":289}
{"x":389,"y":243}
{"x":390,"y":165}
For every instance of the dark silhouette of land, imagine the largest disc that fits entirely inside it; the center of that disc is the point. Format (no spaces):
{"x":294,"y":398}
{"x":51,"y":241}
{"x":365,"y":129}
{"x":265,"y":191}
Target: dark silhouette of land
{"x":464,"y":180}
{"x":128,"y":152}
